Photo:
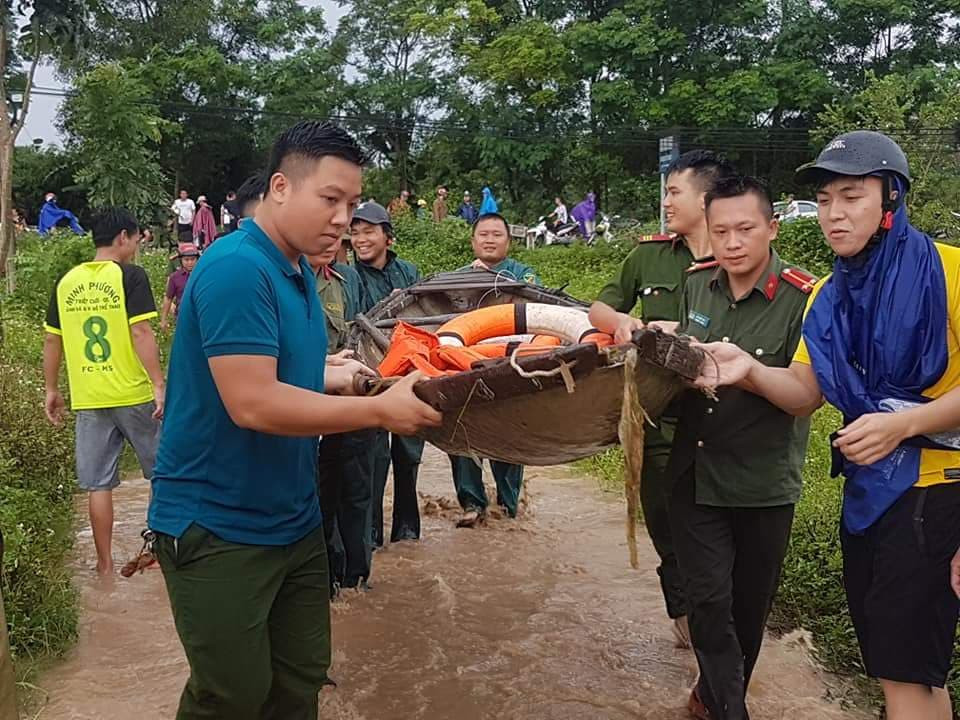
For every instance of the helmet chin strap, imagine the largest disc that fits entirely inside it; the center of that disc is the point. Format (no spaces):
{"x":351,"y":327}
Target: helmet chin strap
{"x":889,"y":205}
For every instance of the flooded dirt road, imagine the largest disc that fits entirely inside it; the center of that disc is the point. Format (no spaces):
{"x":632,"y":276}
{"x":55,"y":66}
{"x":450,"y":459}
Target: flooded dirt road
{"x":537,"y":618}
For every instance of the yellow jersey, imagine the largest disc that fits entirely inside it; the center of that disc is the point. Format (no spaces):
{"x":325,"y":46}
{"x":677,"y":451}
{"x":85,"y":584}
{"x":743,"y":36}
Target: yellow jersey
{"x":92,"y":309}
{"x":934,"y":464}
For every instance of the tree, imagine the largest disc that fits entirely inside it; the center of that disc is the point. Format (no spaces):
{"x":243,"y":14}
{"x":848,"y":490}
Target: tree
{"x":117,"y":131}
{"x":921,"y":111}
{"x":13,"y":117}
{"x":399,"y":74}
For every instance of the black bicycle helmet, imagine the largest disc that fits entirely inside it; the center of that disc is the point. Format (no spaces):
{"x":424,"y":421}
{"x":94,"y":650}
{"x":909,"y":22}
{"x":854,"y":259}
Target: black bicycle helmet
{"x":858,"y":153}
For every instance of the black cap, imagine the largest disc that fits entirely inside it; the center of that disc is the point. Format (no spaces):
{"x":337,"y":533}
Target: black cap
{"x":858,"y":153}
{"x":373,"y":213}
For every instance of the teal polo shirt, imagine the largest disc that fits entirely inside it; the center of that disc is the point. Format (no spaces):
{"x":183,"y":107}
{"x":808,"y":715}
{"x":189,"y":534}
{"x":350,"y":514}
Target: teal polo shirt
{"x":243,"y":298}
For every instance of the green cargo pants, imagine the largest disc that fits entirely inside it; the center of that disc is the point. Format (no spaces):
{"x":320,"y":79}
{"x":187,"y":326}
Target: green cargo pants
{"x":654,"y":493}
{"x":254,"y":621}
{"x":468,"y":480}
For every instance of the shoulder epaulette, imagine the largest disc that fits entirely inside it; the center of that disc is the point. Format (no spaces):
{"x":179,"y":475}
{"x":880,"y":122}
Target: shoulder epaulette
{"x":659,"y":237}
{"x":801,"y":280}
{"x":703,"y":266}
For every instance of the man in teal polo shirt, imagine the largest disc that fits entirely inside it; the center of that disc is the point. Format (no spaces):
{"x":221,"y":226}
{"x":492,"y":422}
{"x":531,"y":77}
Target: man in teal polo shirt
{"x":491,"y":245}
{"x":234,"y":506}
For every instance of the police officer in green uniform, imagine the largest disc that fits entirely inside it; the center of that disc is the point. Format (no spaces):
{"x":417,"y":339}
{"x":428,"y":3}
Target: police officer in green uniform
{"x":345,"y":464}
{"x":381,"y":272}
{"x":491,"y":243}
{"x":735,"y":469}
{"x":655,"y":273}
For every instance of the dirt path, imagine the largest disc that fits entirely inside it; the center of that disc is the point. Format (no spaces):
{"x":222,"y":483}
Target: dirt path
{"x":537,"y":618}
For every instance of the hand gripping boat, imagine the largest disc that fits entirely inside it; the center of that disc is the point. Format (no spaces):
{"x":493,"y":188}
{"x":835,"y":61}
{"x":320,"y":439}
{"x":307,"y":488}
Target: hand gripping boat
{"x":551,"y":405}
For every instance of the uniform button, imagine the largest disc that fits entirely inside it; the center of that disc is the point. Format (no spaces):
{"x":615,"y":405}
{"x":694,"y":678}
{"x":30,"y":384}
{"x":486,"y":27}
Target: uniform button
{"x":647,"y":291}
{"x":725,"y":338}
{"x":709,"y":411}
{"x":733,"y":306}
{"x":700,"y":443}
{"x":759,"y":352}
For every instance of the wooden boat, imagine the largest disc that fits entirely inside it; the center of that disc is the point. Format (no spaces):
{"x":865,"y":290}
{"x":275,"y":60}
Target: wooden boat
{"x":546,"y":409}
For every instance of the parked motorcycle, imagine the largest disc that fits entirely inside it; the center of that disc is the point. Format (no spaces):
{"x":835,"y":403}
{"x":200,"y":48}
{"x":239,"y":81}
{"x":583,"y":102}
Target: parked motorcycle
{"x":602,"y":230}
{"x":547,"y":233}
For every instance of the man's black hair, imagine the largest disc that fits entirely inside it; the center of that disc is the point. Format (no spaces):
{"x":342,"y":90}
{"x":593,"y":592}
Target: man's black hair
{"x":312,"y":140}
{"x":737,"y":186}
{"x":251,"y":191}
{"x":707,"y":167}
{"x":110,"y":222}
{"x":491,"y":216}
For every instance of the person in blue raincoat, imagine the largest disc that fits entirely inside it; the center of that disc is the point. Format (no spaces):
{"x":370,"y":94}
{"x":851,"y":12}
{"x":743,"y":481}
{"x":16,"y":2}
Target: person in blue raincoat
{"x":489,"y":204}
{"x":52,"y":215}
{"x":880,"y":344}
{"x":585,"y":213}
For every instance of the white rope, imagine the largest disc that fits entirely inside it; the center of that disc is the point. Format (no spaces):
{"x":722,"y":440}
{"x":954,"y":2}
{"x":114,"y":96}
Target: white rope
{"x":563,"y":369}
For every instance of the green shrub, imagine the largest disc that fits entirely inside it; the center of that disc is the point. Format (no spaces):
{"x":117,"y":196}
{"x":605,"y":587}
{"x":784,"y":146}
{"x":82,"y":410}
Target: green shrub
{"x":37,"y":478}
{"x":39,"y":263}
{"x":802,"y":242}
{"x":36,"y":508}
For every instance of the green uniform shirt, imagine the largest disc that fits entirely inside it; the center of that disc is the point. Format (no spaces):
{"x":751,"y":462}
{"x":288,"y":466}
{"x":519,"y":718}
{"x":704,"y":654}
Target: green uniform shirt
{"x":654,"y":272}
{"x":342,"y":297}
{"x":397,"y":274}
{"x":746,"y":452}
{"x":514,"y":269}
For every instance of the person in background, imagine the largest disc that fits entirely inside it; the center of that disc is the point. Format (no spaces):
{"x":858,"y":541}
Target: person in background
{"x":146,"y":237}
{"x":204,"y":225}
{"x":99,"y":320}
{"x":345,"y":460}
{"x":467,"y":210}
{"x":185,"y":209}
{"x":421,"y":209}
{"x":491,"y":245}
{"x":188,"y":255}
{"x":488,"y":206}
{"x":52,"y":215}
{"x":654,"y":274}
{"x":585,"y":213}
{"x":400,"y":204}
{"x":250,"y":195}
{"x":559,"y":214}
{"x":229,"y":213}
{"x":440,"y":205}
{"x":382,"y":272}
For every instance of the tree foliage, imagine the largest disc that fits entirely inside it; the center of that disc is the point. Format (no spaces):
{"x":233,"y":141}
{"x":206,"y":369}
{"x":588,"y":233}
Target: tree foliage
{"x":119,"y":131}
{"x":535,"y":97}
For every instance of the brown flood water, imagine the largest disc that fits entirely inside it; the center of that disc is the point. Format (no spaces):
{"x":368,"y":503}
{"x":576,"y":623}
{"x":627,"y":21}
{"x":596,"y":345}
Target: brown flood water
{"x":536,"y":618}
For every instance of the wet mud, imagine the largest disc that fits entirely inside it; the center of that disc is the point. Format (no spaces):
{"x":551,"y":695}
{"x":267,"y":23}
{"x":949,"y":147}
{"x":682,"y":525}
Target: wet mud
{"x":539,"y":617}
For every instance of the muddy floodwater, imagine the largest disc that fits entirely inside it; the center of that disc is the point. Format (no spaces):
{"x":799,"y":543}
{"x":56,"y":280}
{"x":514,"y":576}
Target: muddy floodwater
{"x":541,"y":617}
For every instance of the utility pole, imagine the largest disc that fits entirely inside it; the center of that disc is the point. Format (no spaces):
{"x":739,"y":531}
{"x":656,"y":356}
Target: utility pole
{"x":669,"y":151}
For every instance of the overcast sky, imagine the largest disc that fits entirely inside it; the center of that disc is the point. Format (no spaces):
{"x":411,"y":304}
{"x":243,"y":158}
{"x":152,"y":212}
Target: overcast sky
{"x":43,"y":108}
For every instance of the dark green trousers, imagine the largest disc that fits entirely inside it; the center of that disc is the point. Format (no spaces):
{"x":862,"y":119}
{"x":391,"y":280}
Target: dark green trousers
{"x":254,"y":621}
{"x":345,"y":487}
{"x":654,"y":495}
{"x":468,"y":480}
{"x":404,"y":454}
